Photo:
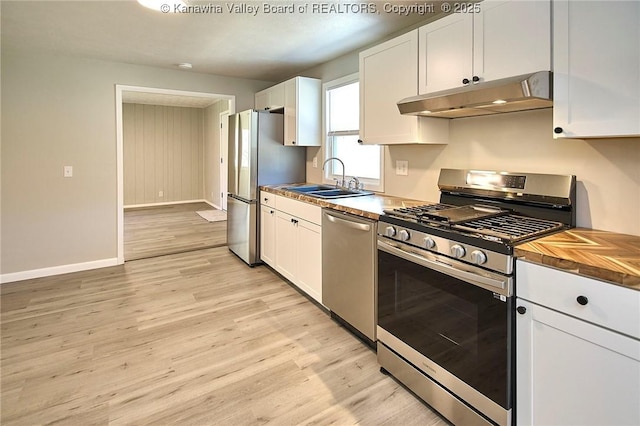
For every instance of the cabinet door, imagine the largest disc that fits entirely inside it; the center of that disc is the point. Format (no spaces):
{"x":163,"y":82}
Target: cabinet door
{"x":445,"y":53}
{"x":268,"y":235}
{"x":262,"y":100}
{"x":276,"y":96}
{"x":271,"y":98}
{"x":290,"y":112}
{"x":511,"y":38}
{"x":309,"y":277}
{"x":596,"y":76}
{"x":388,"y":73}
{"x":302,"y":111}
{"x":570,"y":372}
{"x":286,"y":246}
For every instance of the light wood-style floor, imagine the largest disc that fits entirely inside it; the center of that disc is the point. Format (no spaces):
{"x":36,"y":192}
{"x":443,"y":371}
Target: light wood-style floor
{"x":159,"y":230}
{"x":196,"y":338}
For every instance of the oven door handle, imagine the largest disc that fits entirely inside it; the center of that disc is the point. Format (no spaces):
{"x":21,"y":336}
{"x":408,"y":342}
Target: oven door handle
{"x":499,"y":285}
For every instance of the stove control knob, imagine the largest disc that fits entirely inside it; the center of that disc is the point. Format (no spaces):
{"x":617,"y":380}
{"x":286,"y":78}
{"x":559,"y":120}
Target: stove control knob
{"x":429,"y":243}
{"x":457,"y":251}
{"x":478,"y":257}
{"x":390,"y":231}
{"x":404,"y":235}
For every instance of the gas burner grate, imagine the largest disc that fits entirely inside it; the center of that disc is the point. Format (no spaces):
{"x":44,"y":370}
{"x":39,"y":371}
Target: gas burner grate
{"x":511,"y":227}
{"x":418,"y":210}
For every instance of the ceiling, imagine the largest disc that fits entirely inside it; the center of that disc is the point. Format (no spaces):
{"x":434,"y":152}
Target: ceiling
{"x":268,"y":46}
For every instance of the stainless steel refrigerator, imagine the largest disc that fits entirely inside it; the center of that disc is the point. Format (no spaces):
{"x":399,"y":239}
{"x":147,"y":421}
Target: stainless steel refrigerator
{"x":257,"y":156}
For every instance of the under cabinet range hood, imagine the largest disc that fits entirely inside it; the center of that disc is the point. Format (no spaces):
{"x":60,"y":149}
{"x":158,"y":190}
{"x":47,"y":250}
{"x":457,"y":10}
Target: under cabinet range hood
{"x":521,"y":93}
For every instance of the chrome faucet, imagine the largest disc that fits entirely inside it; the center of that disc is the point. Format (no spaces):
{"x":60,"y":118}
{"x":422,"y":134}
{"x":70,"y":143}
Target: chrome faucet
{"x":356,"y":183}
{"x":339,"y":183}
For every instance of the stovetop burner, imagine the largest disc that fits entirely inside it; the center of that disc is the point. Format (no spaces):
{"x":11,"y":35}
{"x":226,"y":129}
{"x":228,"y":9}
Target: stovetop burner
{"x":486,"y":222}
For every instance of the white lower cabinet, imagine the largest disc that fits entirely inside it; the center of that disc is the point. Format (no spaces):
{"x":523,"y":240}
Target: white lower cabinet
{"x":285,"y":243}
{"x":268,"y":235}
{"x":308,"y":258}
{"x":573,"y":365}
{"x":291,"y":243}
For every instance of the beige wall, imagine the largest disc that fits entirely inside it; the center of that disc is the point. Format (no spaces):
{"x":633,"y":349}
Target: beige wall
{"x":59,"y":111}
{"x":163,"y":150}
{"x":608,"y":171}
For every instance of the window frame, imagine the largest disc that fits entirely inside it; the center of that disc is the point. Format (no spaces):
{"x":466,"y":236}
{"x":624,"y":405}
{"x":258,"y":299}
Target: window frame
{"x":328,"y":176}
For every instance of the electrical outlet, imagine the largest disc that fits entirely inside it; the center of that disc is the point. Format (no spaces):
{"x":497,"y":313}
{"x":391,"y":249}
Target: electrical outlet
{"x":160,"y":194}
{"x":402,"y":168}
{"x":67,"y":171}
{"x":315,"y":162}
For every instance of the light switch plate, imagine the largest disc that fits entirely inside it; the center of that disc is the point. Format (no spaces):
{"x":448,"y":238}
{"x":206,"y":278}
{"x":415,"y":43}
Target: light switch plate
{"x":67,"y":171}
{"x":402,"y":168}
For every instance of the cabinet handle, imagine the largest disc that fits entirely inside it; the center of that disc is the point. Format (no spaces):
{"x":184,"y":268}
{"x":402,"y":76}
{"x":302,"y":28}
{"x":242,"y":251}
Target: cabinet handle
{"x":293,"y":142}
{"x":266,"y":199}
{"x":582,"y":300}
{"x":465,"y":81}
{"x":271,"y":212}
{"x":521,"y":310}
{"x":558,"y":130}
{"x":475,"y":79}
{"x":360,"y":141}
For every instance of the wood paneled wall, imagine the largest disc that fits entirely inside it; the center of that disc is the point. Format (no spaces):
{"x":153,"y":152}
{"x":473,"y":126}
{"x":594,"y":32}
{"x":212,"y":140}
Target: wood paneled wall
{"x":163,"y":153}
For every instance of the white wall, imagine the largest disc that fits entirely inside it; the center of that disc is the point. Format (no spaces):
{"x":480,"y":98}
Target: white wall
{"x":608,"y":171}
{"x":59,"y":111}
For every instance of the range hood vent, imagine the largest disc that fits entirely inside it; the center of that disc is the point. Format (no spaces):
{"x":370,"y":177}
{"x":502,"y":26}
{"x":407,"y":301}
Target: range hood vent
{"x":521,"y":93}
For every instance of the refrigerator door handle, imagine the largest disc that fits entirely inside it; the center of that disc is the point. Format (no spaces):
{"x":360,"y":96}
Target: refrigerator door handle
{"x":236,"y":149}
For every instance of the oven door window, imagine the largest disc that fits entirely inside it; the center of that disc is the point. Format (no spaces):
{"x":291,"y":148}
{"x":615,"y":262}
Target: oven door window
{"x":461,"y":327}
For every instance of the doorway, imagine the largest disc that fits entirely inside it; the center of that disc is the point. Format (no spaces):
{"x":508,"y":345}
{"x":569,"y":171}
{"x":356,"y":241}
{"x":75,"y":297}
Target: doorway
{"x":176,"y":98}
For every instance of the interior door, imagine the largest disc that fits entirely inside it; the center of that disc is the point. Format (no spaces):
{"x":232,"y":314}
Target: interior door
{"x":224,"y":152}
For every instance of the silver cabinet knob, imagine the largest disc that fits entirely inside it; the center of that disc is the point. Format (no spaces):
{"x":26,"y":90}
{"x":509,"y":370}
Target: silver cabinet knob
{"x":404,"y":235}
{"x":457,"y":251}
{"x":478,"y":257}
{"x":429,"y":243}
{"x":390,"y":231}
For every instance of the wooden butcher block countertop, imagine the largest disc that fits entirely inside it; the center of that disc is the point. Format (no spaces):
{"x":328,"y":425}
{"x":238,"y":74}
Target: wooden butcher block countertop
{"x":596,"y":254}
{"x":369,"y":206}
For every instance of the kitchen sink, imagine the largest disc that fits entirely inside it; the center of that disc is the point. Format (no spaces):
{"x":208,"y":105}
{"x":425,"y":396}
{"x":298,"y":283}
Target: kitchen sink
{"x":310,"y":188}
{"x":328,"y":192}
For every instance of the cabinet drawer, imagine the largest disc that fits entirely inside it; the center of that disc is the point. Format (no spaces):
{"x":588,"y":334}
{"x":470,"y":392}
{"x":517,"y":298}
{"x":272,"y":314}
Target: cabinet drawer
{"x":309,"y":212}
{"x":608,"y":305}
{"x":268,"y":199}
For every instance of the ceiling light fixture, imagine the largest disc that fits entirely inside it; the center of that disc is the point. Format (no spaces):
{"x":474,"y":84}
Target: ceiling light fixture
{"x":499,"y":101}
{"x":185,"y":66}
{"x":164,"y":6}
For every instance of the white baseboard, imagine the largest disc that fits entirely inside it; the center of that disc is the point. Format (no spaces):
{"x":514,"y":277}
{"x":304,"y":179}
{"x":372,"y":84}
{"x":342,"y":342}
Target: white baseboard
{"x":171,"y":203}
{"x":57,"y":270}
{"x":168,"y":203}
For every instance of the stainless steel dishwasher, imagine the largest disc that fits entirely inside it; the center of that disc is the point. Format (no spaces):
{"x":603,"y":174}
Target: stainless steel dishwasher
{"x":349,"y":270}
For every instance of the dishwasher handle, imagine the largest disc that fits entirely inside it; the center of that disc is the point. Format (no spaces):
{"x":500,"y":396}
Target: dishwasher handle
{"x":353,"y":225}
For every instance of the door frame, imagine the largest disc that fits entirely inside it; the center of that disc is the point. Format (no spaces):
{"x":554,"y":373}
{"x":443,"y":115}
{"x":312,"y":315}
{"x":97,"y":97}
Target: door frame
{"x":119,"y":91}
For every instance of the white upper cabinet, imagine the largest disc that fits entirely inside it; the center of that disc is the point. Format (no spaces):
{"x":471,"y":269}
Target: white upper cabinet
{"x":301,"y":99}
{"x":271,"y":98}
{"x":596,"y":75}
{"x":445,"y":53}
{"x":302,"y":111}
{"x":503,"y":39}
{"x":389,"y":73}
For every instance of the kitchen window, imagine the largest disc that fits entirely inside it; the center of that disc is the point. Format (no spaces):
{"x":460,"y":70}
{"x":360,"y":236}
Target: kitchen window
{"x":341,"y":100}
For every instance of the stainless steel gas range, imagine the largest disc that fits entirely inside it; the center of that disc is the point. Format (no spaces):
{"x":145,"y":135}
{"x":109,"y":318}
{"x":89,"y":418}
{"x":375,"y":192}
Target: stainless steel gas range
{"x":446,"y":287}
